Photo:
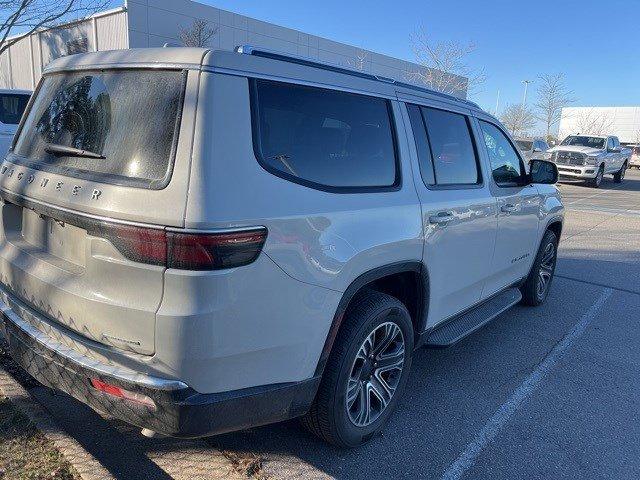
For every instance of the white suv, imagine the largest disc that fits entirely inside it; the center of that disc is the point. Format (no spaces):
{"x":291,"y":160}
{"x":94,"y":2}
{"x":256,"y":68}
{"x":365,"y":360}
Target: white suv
{"x":199,"y":241}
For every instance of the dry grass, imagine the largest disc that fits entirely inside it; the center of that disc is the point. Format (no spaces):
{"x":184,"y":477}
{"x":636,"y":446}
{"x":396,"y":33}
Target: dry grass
{"x":25,"y":454}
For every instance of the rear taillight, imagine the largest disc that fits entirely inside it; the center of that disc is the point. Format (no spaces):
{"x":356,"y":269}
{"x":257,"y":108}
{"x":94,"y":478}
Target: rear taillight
{"x":187,"y":251}
{"x":214,"y":251}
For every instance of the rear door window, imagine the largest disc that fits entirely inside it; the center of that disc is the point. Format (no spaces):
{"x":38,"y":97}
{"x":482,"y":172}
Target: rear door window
{"x":324,"y":139}
{"x":12,"y":107}
{"x":113,"y":126}
{"x":452,"y":150}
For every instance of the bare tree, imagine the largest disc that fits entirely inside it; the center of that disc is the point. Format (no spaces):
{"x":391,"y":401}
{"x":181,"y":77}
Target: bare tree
{"x":593,"y":122}
{"x":21,"y":18}
{"x":444,"y":65}
{"x":359,"y":61}
{"x":199,"y":33}
{"x":552,"y":96}
{"x":518,"y":119}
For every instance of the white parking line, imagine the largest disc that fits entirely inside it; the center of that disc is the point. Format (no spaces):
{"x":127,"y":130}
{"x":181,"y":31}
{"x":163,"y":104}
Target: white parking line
{"x":468,"y":457}
{"x":601,"y":192}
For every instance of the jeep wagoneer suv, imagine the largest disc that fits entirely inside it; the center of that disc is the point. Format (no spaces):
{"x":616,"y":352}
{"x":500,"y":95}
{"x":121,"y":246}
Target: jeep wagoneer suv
{"x":200,"y":241}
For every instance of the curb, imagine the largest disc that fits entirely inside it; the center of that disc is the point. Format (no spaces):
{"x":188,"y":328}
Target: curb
{"x":84,"y":463}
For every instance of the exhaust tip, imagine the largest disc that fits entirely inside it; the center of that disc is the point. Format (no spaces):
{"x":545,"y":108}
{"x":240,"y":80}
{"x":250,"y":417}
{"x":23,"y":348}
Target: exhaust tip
{"x":151,"y":434}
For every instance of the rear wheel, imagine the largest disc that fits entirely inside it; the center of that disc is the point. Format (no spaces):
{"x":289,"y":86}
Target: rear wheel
{"x":618,"y":177}
{"x":366,"y":372}
{"x":536,"y":287}
{"x":595,"y":182}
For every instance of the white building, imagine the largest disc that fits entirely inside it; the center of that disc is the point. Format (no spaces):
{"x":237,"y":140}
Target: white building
{"x":624,"y":122}
{"x":154,"y":23}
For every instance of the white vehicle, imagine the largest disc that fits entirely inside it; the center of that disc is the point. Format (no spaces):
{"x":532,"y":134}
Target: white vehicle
{"x":12,"y":105}
{"x":533,"y":149}
{"x":590,"y":158}
{"x":634,"y":159}
{"x":253,"y":237}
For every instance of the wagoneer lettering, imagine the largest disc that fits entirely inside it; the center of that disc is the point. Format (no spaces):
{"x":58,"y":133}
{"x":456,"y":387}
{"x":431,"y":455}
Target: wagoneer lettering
{"x":201,"y":248}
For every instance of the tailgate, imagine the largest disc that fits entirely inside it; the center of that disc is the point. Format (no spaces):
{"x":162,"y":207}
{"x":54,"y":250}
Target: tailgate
{"x":98,"y":152}
{"x":78,"y":279}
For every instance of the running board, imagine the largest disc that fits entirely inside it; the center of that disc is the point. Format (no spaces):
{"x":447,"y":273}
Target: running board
{"x":465,"y":324}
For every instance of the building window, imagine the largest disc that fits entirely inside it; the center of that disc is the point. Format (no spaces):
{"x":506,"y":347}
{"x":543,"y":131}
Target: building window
{"x":77,"y":45}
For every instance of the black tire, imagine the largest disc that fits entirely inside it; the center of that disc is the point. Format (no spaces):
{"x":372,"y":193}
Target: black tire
{"x":330,"y":417}
{"x":597,"y":181}
{"x":619,"y":176}
{"x":533,"y":293}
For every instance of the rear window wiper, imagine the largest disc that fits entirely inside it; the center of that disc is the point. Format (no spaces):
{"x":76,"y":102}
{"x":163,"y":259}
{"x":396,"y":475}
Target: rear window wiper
{"x":62,"y":150}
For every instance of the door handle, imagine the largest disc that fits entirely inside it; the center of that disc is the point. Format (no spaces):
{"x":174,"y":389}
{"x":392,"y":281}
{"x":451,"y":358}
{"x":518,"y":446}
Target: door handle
{"x":441,"y":218}
{"x":508,"y":208}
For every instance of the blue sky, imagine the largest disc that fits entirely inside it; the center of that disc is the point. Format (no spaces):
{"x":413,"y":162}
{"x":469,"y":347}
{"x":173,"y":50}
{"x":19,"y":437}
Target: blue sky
{"x":595,"y":44}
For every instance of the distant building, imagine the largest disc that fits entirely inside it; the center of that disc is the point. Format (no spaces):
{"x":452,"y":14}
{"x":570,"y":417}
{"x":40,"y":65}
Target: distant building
{"x":154,"y":23}
{"x":624,"y":122}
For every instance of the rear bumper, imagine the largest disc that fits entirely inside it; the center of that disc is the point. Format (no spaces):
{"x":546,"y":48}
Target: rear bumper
{"x":179,"y":410}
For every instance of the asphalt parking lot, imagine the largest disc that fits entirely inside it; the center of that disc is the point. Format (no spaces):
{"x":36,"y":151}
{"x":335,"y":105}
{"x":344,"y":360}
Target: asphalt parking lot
{"x":548,"y":392}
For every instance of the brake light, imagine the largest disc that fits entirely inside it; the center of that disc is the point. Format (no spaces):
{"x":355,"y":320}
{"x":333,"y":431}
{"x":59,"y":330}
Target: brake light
{"x":186,"y":251}
{"x":214,"y":251}
{"x":122,"y":393}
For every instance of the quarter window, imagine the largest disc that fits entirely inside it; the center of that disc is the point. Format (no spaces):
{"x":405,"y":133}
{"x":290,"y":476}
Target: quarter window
{"x":323,"y":138}
{"x":506,"y":167}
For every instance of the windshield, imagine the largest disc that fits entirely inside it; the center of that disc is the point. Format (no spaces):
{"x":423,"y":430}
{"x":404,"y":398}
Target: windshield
{"x":524,"y":145}
{"x":12,"y":106}
{"x":113,"y":126}
{"x":593,"y":142}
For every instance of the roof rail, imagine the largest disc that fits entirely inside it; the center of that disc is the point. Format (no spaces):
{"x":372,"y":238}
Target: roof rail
{"x":276,"y":55}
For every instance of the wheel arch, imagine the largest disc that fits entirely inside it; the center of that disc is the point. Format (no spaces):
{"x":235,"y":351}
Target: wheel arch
{"x":388,"y":279}
{"x":555,"y":225}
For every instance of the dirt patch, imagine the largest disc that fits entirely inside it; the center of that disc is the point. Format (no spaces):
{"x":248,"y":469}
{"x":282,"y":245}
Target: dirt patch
{"x":25,"y":453}
{"x":249,"y":465}
{"x":6,"y":362}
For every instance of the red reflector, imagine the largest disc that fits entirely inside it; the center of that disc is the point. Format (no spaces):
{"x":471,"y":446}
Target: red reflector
{"x":122,"y":393}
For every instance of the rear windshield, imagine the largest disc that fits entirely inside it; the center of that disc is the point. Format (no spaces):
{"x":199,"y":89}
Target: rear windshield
{"x":117,"y":126}
{"x":12,"y":106}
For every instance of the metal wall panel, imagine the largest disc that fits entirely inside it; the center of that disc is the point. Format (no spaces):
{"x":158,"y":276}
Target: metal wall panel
{"x":21,"y":66}
{"x":112,"y":32}
{"x":624,"y":122}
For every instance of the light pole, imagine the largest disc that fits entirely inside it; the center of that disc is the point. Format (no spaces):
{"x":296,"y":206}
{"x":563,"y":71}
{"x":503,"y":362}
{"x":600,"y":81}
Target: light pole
{"x":524,"y":97}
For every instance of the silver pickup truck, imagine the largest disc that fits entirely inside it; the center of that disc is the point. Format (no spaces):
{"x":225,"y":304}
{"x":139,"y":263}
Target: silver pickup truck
{"x":590,"y":158}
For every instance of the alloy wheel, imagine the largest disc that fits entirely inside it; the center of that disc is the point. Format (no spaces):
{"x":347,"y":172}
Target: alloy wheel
{"x":599,"y":177}
{"x":375,"y":374}
{"x":545,"y":272}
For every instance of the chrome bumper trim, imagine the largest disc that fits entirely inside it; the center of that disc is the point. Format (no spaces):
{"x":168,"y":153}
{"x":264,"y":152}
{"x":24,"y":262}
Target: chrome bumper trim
{"x":9,"y":314}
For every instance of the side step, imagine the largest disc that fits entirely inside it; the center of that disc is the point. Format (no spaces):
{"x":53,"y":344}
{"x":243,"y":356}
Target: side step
{"x":459,"y":327}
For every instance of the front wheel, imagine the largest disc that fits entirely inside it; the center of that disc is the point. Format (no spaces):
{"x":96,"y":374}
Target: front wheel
{"x":366,"y":372}
{"x":619,"y":176}
{"x":595,"y":182}
{"x":536,"y":286}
